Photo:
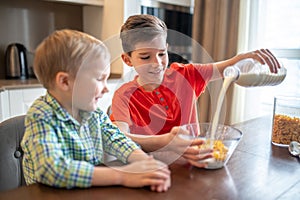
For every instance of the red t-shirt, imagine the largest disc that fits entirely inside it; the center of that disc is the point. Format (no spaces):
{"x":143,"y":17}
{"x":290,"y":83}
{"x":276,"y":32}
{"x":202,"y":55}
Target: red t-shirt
{"x":173,"y":103}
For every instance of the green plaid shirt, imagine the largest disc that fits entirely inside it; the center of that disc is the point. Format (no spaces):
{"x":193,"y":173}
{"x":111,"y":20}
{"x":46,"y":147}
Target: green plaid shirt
{"x":60,"y":152}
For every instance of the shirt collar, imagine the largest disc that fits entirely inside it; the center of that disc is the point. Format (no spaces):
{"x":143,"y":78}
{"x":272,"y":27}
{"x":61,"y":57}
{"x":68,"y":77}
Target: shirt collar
{"x":62,"y":114}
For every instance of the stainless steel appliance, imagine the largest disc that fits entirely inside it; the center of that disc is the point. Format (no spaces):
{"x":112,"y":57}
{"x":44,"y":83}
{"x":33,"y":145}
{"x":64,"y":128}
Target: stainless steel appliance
{"x":179,"y":19}
{"x":16,"y":61}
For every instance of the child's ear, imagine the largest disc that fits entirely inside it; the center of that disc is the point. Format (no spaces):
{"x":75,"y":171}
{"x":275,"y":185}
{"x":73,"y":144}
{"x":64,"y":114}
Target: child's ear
{"x":62,"y":80}
{"x":126,"y":59}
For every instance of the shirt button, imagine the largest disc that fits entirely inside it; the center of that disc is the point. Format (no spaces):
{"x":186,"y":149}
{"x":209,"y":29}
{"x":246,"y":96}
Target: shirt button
{"x":167,"y":107}
{"x":157,"y":92}
{"x":161,"y":99}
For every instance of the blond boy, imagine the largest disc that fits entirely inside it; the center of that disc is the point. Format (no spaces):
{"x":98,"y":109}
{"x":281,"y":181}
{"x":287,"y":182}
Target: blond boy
{"x":67,"y":134}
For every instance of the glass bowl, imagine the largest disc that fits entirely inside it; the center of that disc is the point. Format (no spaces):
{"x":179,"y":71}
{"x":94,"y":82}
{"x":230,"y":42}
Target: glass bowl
{"x":224,"y":144}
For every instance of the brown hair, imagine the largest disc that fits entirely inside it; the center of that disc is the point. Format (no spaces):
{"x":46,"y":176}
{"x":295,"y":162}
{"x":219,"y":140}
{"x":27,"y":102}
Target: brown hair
{"x":141,"y":28}
{"x":64,"y":51}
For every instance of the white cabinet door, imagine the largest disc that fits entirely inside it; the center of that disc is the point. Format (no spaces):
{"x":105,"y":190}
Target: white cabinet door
{"x":19,"y":100}
{"x":29,"y":95}
{"x":4,"y":105}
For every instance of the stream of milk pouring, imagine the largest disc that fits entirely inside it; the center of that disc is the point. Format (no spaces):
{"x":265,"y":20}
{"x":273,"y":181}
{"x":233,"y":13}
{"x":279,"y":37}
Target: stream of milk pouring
{"x":226,"y":83}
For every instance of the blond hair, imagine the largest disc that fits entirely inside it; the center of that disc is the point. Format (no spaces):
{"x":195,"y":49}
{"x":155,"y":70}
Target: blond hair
{"x":64,"y":51}
{"x":141,"y":28}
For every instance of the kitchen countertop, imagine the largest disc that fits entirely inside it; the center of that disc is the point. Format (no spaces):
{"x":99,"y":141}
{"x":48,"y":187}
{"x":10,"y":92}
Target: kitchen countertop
{"x":7,"y":84}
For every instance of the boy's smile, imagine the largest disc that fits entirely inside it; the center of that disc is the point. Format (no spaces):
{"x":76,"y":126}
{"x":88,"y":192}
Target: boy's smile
{"x":150,"y":64}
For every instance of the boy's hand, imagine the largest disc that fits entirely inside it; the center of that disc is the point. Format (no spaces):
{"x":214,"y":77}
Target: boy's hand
{"x":203,"y":154}
{"x":149,"y":172}
{"x":188,"y":148}
{"x":264,"y":56}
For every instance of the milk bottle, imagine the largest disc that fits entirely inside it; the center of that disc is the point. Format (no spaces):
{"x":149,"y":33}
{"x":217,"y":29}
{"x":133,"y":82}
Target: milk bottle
{"x":246,"y":73}
{"x":249,"y":73}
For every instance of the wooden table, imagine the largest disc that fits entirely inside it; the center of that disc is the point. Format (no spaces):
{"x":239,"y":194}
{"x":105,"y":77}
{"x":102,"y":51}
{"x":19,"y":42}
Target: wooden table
{"x":256,"y":170}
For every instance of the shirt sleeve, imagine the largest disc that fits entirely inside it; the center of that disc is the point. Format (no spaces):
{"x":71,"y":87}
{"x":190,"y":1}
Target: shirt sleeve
{"x":198,"y":75}
{"x":115,"y":142}
{"x":120,"y":107}
{"x":50,"y":165}
{"x":205,"y":71}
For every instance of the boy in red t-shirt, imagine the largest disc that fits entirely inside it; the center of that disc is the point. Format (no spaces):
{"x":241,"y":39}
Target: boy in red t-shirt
{"x":160,"y":98}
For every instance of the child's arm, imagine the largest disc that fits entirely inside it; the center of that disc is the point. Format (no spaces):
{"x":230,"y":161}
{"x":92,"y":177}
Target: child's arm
{"x":168,"y":142}
{"x":264,"y":56}
{"x":143,"y":169}
{"x":147,"y":172}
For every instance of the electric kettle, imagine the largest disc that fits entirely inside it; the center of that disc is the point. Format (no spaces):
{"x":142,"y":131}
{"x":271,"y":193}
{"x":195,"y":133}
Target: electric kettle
{"x":16,"y":61}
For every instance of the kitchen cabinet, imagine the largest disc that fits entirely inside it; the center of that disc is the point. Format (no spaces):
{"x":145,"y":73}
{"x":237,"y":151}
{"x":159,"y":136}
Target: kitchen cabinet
{"x":81,"y":2}
{"x":15,"y":102}
{"x":29,"y":22}
{"x":103,"y":19}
